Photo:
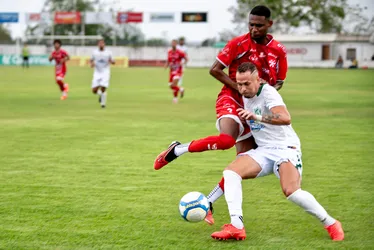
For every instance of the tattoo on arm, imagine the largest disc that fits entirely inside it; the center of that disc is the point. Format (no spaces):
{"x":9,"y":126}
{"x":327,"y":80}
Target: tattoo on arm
{"x":270,"y":118}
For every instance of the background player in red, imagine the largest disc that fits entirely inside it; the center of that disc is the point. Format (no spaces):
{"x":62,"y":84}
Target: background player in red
{"x":174,"y":62}
{"x":269,"y":56}
{"x":61,"y":57}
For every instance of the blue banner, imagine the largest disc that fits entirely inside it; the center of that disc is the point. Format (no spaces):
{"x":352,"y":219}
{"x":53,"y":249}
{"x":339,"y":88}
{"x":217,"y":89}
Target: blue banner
{"x":8,"y":17}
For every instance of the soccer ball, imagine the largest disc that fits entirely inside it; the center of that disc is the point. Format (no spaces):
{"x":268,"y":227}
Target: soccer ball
{"x":194,"y":207}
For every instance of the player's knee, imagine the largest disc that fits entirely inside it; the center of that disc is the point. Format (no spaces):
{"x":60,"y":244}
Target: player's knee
{"x":290,"y":189}
{"x":226,"y":141}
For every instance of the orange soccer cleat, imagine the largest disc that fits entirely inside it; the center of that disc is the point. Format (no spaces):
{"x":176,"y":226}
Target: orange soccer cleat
{"x":229,"y":232}
{"x":166,"y":156}
{"x":209,"y":218}
{"x":336,"y":231}
{"x":63,"y":97}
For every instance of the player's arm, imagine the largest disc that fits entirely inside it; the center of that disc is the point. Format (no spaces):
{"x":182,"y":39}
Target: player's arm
{"x":282,"y":71}
{"x":50,"y":57}
{"x":185,"y":56}
{"x":224,"y":59}
{"x":65,"y":59}
{"x":217,"y":72}
{"x":279,"y":116}
{"x":111,"y":59}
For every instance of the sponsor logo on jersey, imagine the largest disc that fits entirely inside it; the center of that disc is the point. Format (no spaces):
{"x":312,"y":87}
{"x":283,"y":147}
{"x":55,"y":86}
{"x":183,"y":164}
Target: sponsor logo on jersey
{"x":255,"y":126}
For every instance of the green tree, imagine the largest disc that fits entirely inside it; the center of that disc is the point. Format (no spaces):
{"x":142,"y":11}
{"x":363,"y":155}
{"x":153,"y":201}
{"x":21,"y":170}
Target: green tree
{"x":323,"y":16}
{"x":124,"y":34}
{"x":4,"y":34}
{"x":156,"y":42}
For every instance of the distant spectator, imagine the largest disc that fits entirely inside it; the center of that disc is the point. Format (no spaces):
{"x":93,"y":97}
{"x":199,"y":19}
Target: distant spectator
{"x":339,"y":63}
{"x":372,"y":58}
{"x":25,"y":56}
{"x":354,"y":64}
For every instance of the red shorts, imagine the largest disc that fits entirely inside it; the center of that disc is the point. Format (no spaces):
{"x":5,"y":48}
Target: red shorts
{"x":226,"y":105}
{"x":60,"y":75}
{"x":174,"y":75}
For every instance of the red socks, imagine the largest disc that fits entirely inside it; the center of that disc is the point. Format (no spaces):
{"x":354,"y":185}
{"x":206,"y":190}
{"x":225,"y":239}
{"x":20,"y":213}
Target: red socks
{"x":175,"y":90}
{"x":60,"y":84}
{"x":221,"y":142}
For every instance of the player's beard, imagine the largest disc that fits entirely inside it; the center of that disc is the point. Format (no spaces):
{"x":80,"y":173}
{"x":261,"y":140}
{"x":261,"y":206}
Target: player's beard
{"x":258,"y":39}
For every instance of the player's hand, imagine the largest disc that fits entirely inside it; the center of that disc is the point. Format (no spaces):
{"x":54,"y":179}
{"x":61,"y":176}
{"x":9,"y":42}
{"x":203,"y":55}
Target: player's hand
{"x":278,"y":85}
{"x":245,"y":114}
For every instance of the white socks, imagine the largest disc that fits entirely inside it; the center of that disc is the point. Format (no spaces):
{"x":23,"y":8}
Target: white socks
{"x":181,"y":149}
{"x":215,"y":194}
{"x":103,"y":99}
{"x":307,"y":201}
{"x":234,"y":197}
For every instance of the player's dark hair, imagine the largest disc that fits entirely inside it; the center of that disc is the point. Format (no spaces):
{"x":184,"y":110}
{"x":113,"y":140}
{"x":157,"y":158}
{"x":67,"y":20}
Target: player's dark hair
{"x":247,"y":66}
{"x":57,"y":41}
{"x":261,"y":10}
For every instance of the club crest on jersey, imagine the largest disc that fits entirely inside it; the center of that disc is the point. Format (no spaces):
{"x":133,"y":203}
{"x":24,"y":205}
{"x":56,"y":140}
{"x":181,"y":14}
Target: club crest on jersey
{"x":257,"y":111}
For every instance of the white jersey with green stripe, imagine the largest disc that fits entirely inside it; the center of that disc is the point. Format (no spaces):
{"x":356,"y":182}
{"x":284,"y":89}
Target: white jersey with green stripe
{"x":265,"y":134}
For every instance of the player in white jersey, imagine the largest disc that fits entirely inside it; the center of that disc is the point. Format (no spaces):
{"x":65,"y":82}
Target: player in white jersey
{"x":101,"y":60}
{"x":182,"y":46}
{"x":278,"y":152}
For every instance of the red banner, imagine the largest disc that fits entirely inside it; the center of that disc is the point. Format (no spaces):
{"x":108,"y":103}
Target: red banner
{"x":67,"y":17}
{"x":129,"y":17}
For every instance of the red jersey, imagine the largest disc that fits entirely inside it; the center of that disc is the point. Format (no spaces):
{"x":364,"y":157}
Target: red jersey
{"x":175,"y":58}
{"x":270,"y":59}
{"x":58,"y":56}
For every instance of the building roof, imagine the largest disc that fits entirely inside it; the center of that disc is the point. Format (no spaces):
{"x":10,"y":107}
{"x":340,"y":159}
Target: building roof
{"x":313,"y":38}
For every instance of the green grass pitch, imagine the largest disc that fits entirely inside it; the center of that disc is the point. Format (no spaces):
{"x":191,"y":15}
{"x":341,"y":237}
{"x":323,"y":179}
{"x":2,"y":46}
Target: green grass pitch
{"x":75,"y":176}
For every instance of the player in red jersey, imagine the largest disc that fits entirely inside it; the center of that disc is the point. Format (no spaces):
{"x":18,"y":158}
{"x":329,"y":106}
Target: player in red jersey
{"x":61,"y":57}
{"x":174,"y":62}
{"x":269,"y":56}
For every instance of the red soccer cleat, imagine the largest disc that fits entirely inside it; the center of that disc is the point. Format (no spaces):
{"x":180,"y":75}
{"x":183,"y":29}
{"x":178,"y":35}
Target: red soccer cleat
{"x":336,"y":231}
{"x":229,"y":232}
{"x":166,"y":156}
{"x":209,"y":218}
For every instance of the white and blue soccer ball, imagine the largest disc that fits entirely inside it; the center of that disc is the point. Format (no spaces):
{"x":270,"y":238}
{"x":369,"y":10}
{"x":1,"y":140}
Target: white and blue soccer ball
{"x":194,"y":207}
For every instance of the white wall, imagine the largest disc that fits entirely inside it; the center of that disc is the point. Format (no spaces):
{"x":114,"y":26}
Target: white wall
{"x":299,"y":54}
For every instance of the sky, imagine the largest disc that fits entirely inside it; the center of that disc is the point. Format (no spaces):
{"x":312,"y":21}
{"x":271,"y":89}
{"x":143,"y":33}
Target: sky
{"x":219,"y":18}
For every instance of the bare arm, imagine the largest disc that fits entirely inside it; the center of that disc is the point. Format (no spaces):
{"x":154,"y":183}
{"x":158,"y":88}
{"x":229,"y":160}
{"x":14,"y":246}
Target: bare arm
{"x":50,"y":58}
{"x":217,"y":72}
{"x":279,"y":116}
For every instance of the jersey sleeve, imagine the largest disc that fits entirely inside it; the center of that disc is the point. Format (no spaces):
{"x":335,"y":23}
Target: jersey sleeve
{"x":228,"y":54}
{"x":272,"y":97}
{"x":282,"y":64}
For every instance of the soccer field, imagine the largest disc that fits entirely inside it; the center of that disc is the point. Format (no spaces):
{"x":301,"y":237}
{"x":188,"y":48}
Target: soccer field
{"x":75,"y":176}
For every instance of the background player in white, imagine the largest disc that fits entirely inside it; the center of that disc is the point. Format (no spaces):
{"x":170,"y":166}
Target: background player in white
{"x":101,"y":60}
{"x":278,"y":152}
{"x":182,"y":46}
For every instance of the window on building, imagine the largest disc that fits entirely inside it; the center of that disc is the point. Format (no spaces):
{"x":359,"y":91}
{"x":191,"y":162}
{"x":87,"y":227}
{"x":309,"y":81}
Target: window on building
{"x":351,"y":53}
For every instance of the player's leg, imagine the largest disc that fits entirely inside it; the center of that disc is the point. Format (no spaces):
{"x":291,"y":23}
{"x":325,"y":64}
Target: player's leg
{"x":27,"y":62}
{"x":244,"y":143}
{"x":64,"y":87}
{"x":244,"y":167}
{"x":290,"y":182}
{"x":103,"y":96}
{"x":174,"y":86}
{"x":228,"y":124}
{"x":181,"y":89}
